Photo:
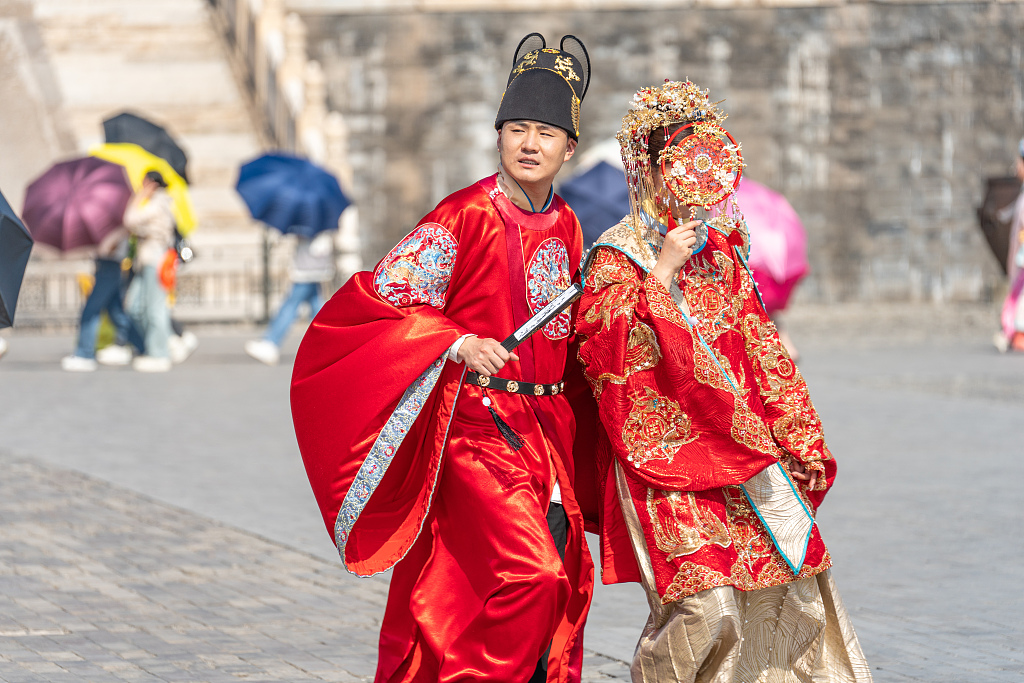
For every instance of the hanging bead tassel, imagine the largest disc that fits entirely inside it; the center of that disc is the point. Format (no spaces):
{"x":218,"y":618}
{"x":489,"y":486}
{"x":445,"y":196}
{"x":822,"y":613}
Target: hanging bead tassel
{"x":515,"y":442}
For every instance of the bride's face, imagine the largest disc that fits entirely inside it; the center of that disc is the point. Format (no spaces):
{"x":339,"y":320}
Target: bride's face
{"x":665,"y":197}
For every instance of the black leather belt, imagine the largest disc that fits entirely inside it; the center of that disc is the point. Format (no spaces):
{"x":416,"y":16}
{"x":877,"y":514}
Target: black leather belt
{"x":514,"y":387}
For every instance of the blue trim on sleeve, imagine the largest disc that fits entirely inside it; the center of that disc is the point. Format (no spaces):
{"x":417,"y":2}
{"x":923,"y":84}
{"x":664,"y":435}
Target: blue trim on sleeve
{"x":752,"y":280}
{"x":794,"y":567}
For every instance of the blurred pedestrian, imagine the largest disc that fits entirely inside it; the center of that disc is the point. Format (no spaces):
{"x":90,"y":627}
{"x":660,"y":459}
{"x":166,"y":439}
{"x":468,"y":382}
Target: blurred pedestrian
{"x":150,"y":219}
{"x":312,"y":264}
{"x":182,"y":342}
{"x":107,"y":295}
{"x":1011,"y":334}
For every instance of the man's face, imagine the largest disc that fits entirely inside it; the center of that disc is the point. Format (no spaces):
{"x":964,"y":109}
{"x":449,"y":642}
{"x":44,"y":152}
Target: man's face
{"x":533,"y":152}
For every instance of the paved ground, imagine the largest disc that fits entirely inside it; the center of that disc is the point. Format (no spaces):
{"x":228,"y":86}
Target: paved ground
{"x":222,"y":570}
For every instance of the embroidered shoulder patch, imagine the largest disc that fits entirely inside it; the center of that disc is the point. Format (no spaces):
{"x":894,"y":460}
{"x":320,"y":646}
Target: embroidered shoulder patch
{"x":418,"y":269}
{"x":546,"y":278}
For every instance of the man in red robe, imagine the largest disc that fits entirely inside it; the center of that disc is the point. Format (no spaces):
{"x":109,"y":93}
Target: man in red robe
{"x":432,"y":449}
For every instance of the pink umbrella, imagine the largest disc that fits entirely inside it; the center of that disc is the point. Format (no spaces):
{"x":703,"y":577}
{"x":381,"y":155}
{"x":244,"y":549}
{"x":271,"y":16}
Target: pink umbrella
{"x":778,"y":243}
{"x":76,"y":203}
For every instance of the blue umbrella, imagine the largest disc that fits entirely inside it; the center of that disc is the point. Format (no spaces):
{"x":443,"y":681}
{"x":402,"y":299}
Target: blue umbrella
{"x":599,"y":197}
{"x":15,"y":247}
{"x":291,"y":194}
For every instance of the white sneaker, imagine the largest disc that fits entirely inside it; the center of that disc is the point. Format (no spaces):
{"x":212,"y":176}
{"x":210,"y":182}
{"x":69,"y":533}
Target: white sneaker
{"x":77,"y":364}
{"x":114,"y":355}
{"x":1001,"y":342}
{"x":3,"y":347}
{"x":151,"y":364}
{"x":182,"y":347}
{"x":264,"y":351}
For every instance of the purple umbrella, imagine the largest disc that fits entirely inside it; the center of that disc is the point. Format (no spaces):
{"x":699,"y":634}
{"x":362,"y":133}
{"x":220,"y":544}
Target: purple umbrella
{"x":778,"y":243}
{"x":76,"y":203}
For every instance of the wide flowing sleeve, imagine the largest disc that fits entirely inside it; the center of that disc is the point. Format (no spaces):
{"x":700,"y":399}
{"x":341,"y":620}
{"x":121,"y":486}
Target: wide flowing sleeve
{"x":371,"y":396}
{"x":789,"y":413}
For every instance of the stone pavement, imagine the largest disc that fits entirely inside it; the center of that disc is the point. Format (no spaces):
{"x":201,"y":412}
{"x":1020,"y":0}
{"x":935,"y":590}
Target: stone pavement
{"x":924,"y":523}
{"x":101,"y":584}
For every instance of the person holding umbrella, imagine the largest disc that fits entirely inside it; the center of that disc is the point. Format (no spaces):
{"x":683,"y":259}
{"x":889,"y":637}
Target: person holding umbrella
{"x":297,"y":197}
{"x":80,"y":203}
{"x":107,"y":295}
{"x":312,"y":264}
{"x":150,"y":219}
{"x":1011,"y":333}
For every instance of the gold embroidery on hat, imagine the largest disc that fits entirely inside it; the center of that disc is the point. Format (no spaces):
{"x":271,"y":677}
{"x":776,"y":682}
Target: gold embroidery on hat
{"x":564,"y":64}
{"x":576,"y":114}
{"x":528,"y":60}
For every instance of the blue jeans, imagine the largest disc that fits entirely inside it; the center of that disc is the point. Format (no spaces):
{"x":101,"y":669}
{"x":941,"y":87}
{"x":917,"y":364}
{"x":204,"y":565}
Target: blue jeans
{"x":308,"y":292}
{"x":106,"y":296}
{"x":147,"y":305}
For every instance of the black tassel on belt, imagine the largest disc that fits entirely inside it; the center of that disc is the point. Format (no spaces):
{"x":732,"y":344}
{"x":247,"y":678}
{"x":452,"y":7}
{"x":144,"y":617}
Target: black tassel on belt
{"x":514,"y":441}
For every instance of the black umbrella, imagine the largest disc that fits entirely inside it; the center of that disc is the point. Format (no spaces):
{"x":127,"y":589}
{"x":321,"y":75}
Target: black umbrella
{"x":15,"y":247}
{"x":1000,"y":194}
{"x":127,"y":127}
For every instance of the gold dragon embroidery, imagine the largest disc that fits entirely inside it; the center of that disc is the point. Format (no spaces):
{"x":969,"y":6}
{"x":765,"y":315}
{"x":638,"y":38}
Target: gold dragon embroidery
{"x":681,"y":527}
{"x":655,"y":428}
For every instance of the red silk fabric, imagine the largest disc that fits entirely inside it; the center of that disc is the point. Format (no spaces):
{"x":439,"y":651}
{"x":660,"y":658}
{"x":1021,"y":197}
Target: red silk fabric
{"x":689,"y":411}
{"x":481,"y":591}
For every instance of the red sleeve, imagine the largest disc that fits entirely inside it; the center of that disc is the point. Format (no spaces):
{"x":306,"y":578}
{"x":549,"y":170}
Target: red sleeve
{"x":663,"y":403}
{"x":789,"y":413}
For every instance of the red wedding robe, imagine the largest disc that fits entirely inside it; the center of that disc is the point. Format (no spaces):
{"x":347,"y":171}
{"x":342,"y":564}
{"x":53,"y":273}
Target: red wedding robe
{"x":406,"y":462}
{"x":689,"y":410}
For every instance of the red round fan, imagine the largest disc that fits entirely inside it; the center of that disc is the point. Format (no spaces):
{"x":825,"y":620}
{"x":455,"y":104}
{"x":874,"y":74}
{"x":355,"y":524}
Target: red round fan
{"x":703,"y":166}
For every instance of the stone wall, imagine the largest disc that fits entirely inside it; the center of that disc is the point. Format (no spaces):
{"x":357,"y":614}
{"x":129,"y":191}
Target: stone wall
{"x":878,"y":121}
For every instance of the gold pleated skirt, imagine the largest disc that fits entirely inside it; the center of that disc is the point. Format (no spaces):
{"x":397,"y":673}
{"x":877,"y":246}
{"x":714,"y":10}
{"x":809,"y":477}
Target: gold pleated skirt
{"x":795,"y":633}
{"x":798,"y":632}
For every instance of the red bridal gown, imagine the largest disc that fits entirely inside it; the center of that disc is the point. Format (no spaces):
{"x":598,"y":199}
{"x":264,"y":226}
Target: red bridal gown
{"x":692,"y":410}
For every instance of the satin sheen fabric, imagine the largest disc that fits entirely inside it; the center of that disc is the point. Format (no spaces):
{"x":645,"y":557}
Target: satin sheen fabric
{"x":690,"y":409}
{"x":481,"y":591}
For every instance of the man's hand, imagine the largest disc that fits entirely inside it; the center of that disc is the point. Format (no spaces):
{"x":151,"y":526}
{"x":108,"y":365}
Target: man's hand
{"x":486,"y":356}
{"x":801,"y":473}
{"x":676,"y":251}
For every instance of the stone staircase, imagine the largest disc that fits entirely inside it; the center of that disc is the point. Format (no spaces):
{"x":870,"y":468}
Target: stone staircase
{"x":164,"y":60}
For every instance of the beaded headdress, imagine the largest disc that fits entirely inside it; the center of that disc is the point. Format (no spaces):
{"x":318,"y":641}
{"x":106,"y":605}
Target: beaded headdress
{"x":701,"y":163}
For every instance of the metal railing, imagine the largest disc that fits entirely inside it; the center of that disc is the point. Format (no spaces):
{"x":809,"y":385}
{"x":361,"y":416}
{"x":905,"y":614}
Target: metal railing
{"x":212,"y":288}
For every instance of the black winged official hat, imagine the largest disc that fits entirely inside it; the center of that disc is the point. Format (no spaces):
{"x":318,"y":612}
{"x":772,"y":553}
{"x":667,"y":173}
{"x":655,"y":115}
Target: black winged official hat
{"x":547,"y":85}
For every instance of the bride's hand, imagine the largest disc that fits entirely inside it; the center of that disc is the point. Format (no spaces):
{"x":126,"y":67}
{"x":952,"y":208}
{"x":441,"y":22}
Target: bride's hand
{"x":675,"y":252}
